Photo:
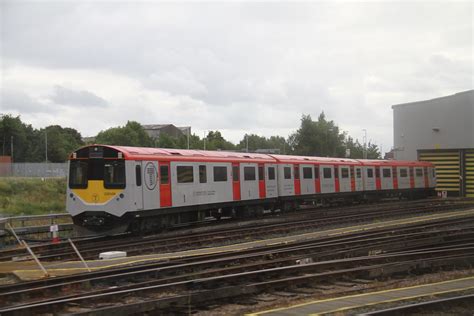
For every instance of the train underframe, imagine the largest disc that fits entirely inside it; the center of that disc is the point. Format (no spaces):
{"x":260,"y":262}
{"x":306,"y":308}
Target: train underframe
{"x":147,"y":221}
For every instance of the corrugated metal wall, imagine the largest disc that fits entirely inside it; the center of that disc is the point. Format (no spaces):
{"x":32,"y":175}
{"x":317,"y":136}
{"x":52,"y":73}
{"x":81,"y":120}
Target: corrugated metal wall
{"x":469,"y":173}
{"x":447,"y":165}
{"x":454,"y":170}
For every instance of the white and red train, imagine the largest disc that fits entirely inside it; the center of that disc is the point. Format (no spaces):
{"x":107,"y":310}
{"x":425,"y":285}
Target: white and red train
{"x":114,"y":188}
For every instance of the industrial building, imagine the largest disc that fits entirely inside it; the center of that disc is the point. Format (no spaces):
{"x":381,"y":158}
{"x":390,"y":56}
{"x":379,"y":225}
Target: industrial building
{"x":439,"y":130}
{"x":155,"y":130}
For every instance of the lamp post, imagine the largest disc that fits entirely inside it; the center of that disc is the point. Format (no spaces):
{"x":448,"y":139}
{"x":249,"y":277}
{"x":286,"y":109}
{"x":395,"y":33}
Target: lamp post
{"x":46,"y":145}
{"x":188,"y":135}
{"x":247,"y":143}
{"x":364,"y":155}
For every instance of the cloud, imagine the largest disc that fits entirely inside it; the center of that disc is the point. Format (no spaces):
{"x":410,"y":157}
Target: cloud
{"x":238,"y":67}
{"x":81,"y":98}
{"x":20,"y":102}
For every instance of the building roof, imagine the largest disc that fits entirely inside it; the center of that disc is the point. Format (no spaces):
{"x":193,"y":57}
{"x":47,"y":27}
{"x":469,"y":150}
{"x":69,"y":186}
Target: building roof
{"x":468,"y":92}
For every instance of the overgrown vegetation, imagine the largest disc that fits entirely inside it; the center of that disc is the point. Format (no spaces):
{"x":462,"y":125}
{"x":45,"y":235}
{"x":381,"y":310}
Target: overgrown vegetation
{"x":32,"y":196}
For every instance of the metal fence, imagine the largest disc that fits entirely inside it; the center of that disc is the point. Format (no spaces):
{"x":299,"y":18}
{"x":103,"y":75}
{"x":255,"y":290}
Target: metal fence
{"x":33,"y":169}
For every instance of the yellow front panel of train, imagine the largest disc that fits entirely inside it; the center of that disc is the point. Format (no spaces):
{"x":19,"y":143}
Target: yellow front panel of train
{"x":95,"y":193}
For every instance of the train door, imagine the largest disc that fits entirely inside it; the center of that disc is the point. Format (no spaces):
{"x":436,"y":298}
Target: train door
{"x":286,"y":184}
{"x":412,"y":178}
{"x":353,"y":183}
{"x":386,"y":181}
{"x":395,"y":178}
{"x":369,"y":178}
{"x":403,"y":178}
{"x":165,"y":184}
{"x":307,"y":179}
{"x":336,"y":179}
{"x":236,"y":181}
{"x":344,"y":179}
{"x":419,"y":180}
{"x":359,"y":182}
{"x":432,"y":172}
{"x":261,"y":181}
{"x":317,"y":180}
{"x":425,"y":173}
{"x":378,"y":182}
{"x":138,"y":194}
{"x":271,"y":185}
{"x":296,"y":173}
{"x":249,"y":182}
{"x":327,"y":178}
{"x":151,"y":189}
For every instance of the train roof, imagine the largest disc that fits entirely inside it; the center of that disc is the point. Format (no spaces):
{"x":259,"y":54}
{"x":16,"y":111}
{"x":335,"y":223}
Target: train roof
{"x":144,"y":153}
{"x":303,"y":159}
{"x":375,"y":162}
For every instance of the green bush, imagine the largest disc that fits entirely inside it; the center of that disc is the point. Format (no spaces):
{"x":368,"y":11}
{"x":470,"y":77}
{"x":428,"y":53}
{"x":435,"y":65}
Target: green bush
{"x":32,"y":196}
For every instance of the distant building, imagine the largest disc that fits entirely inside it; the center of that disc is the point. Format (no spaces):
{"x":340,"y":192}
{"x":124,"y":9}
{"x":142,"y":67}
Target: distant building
{"x":439,"y":130}
{"x":5,"y":166}
{"x":268,"y":151}
{"x":155,"y":130}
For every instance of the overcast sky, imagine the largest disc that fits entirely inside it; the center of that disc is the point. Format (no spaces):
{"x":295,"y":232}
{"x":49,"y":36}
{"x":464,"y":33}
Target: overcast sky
{"x":236,"y":67}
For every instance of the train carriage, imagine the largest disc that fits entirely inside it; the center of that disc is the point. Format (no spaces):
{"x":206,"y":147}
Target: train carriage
{"x":118,"y":188}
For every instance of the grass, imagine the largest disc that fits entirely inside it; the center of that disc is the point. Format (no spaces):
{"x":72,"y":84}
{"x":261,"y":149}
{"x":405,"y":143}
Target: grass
{"x":32,"y":196}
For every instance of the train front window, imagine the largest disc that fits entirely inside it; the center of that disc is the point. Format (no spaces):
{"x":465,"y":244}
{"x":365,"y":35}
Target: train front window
{"x":78,"y":174}
{"x":114,"y":174}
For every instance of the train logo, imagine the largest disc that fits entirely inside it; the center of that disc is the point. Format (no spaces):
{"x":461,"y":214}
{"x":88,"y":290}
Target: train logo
{"x":150,"y":176}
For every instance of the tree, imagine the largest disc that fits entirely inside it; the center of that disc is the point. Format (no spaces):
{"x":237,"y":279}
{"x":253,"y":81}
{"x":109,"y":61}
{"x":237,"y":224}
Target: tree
{"x":357,"y":149}
{"x":132,"y":134}
{"x":61,"y":142}
{"x":215,"y":141}
{"x":256,"y":142}
{"x":318,"y":138}
{"x":24,"y":138}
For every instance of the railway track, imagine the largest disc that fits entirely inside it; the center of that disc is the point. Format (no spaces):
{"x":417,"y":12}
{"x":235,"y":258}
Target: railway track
{"x":197,"y":281}
{"x":285,"y":224}
{"x":432,"y":305}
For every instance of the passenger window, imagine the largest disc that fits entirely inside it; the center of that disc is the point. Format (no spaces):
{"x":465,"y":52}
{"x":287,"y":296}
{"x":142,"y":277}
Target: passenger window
{"x":403,"y":173}
{"x":327,"y":173}
{"x":185,"y":174}
{"x":287,"y":172}
{"x":297,"y":172}
{"x":202,"y":174}
{"x":370,"y":173}
{"x":138,"y":175}
{"x":78,"y":174}
{"x":386,"y":173}
{"x":235,"y":173}
{"x":220,"y":174}
{"x":316,"y":172}
{"x":307,"y":173}
{"x":260,"y":173}
{"x":114,"y":174}
{"x":271,"y":173}
{"x":345,"y":173}
{"x":164,"y":174}
{"x":352,"y":172}
{"x":358,"y":173}
{"x":249,"y":173}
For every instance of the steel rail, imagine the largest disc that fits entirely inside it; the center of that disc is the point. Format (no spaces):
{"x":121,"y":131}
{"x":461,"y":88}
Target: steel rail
{"x":204,"y":273}
{"x":258,"y":280}
{"x":159,"y":244}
